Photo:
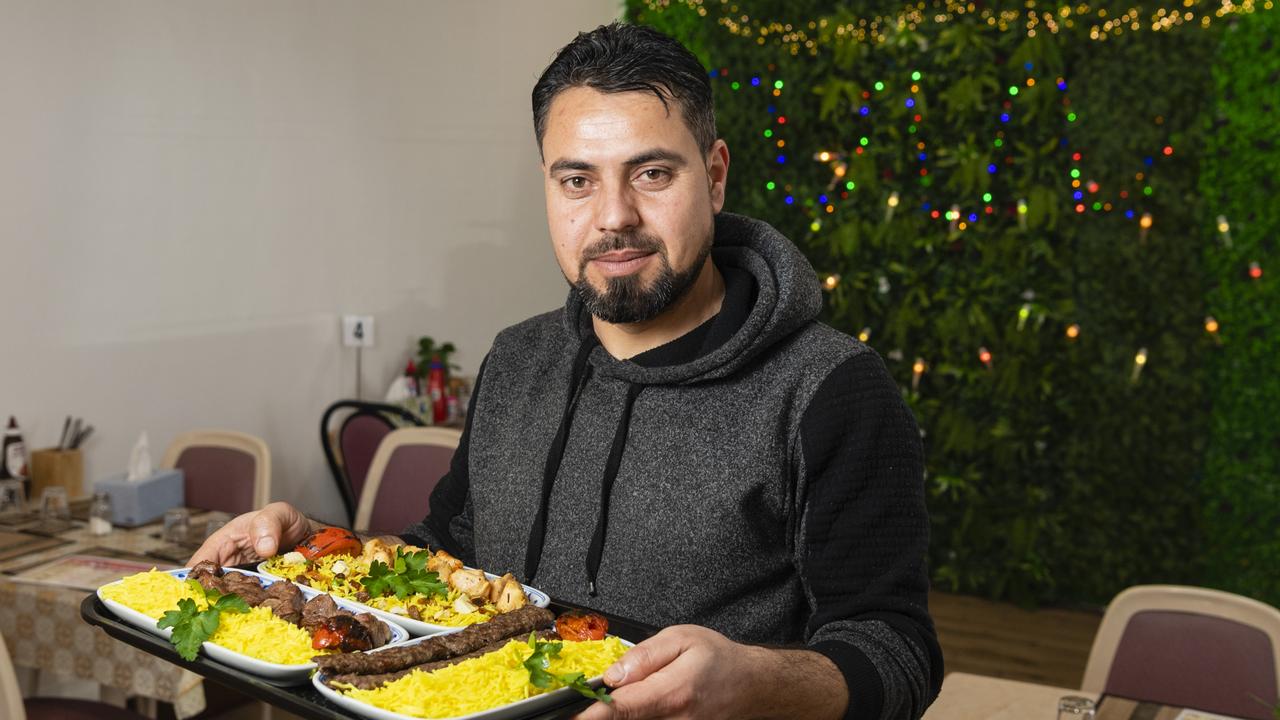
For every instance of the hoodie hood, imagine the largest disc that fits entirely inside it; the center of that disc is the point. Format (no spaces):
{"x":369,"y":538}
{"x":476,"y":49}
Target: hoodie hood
{"x":788,"y":296}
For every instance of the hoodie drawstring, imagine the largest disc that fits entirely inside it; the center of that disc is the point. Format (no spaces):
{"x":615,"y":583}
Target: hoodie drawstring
{"x":538,"y":533}
{"x":606,"y":488}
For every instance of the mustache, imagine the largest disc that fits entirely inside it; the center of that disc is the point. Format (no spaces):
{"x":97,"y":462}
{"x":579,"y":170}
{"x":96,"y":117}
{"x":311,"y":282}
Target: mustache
{"x":614,"y":242}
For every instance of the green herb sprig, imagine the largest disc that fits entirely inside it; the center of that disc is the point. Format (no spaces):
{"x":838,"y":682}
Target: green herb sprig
{"x":541,"y":677}
{"x":407,"y":575}
{"x":192,"y":626}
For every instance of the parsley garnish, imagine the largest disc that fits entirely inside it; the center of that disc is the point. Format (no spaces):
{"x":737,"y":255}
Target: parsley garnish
{"x":541,"y":677}
{"x":407,"y":575}
{"x":192,"y":626}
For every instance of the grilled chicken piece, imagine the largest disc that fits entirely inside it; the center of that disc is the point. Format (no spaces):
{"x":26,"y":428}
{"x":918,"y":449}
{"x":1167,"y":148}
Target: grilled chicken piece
{"x":512,"y":597}
{"x":376,"y":549}
{"x":495,"y":586}
{"x":443,"y":564}
{"x":471,"y":583}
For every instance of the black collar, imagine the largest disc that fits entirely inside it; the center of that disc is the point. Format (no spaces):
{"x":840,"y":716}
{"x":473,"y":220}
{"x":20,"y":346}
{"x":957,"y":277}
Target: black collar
{"x":739,"y":297}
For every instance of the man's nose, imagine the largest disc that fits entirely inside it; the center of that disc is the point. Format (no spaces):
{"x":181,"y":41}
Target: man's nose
{"x":616,"y":209}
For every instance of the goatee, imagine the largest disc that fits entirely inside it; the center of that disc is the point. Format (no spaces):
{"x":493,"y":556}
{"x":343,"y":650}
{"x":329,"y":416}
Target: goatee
{"x":626,"y":299}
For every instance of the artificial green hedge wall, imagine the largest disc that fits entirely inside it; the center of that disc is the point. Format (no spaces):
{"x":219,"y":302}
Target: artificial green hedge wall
{"x":1241,"y":164}
{"x":1059,"y":468}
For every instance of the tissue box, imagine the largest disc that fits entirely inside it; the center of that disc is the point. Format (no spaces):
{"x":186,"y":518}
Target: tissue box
{"x":140,"y":502}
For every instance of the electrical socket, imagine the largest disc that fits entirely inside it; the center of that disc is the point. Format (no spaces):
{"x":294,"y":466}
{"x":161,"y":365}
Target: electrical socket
{"x":357,"y":331}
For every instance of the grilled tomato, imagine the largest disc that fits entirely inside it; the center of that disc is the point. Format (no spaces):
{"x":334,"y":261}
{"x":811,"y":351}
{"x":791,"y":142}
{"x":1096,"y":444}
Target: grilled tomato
{"x":579,"y":626}
{"x":330,"y":541}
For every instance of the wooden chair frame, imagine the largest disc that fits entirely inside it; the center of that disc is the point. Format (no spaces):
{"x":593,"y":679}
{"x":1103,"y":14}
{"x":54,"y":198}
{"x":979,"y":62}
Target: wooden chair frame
{"x":1173,"y":598}
{"x":435,"y":436}
{"x":232,"y":440}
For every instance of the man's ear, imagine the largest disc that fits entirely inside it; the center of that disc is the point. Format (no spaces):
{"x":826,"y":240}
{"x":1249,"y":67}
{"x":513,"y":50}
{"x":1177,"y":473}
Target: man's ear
{"x":718,"y":173}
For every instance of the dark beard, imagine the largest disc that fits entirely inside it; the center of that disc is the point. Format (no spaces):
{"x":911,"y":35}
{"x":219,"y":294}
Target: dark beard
{"x":626,"y":299}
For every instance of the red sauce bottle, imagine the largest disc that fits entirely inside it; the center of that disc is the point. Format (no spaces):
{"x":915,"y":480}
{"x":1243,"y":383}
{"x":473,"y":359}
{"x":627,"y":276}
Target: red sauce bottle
{"x":435,"y":391}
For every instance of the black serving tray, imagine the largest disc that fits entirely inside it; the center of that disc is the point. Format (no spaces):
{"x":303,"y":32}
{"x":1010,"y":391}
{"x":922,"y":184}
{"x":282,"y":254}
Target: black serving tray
{"x":303,"y":699}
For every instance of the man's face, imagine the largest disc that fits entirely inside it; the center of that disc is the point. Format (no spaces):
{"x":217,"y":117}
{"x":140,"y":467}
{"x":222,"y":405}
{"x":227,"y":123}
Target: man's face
{"x":631,"y":200}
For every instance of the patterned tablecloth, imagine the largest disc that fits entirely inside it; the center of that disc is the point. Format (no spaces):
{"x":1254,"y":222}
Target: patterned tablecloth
{"x":43,"y":629}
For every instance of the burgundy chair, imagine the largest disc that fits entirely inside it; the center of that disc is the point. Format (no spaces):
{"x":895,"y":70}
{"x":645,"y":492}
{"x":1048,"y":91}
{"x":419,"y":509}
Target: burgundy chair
{"x":222,"y":470}
{"x":13,"y":707}
{"x":1188,"y":647}
{"x":357,"y":441}
{"x":406,"y":468}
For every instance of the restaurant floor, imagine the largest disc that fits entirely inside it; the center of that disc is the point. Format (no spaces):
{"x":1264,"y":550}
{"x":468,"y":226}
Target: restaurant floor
{"x":1047,"y":646}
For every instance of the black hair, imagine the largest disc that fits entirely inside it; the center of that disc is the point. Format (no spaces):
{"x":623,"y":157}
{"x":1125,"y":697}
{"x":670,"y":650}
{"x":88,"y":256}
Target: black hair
{"x":618,"y":58}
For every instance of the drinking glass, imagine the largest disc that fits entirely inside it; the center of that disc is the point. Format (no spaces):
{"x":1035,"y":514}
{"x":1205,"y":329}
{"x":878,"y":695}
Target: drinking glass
{"x":13,"y":500}
{"x":1074,"y":707}
{"x":177,"y":524}
{"x":214,"y":523}
{"x":54,"y":506}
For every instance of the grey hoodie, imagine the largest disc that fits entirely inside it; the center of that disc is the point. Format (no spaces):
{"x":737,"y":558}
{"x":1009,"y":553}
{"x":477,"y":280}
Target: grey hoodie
{"x":761,"y":477}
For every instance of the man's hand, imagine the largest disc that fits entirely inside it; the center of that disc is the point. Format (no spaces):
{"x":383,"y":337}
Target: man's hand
{"x":688,"y":671}
{"x":255,"y":536}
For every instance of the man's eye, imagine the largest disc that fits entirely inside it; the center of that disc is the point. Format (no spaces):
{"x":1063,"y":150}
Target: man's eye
{"x":655,"y":175}
{"x":576,"y":182}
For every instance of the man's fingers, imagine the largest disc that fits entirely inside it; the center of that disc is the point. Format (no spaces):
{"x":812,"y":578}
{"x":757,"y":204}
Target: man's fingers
{"x":264,"y":534}
{"x":597,"y":711}
{"x":662,"y":695}
{"x":647,"y":658}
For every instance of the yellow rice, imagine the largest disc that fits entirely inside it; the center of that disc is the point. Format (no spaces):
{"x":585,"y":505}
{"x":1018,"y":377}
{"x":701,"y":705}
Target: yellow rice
{"x":489,"y":681}
{"x":257,"y":633}
{"x":431,"y":609}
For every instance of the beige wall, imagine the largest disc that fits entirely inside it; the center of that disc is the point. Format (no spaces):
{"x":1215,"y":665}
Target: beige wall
{"x":191,"y":193}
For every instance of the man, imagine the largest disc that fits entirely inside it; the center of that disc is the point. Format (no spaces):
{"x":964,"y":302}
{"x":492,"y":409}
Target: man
{"x":683,"y":443}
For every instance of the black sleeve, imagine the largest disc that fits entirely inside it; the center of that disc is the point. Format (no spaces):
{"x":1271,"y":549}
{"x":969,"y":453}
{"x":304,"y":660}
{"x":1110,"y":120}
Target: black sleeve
{"x":864,"y":539}
{"x":448,"y":522}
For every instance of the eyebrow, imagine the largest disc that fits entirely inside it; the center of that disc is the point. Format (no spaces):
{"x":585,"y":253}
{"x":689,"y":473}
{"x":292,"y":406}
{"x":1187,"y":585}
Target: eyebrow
{"x":648,"y":156}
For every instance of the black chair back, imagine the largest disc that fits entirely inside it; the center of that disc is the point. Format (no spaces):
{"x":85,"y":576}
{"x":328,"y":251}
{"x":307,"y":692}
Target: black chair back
{"x":357,"y":440}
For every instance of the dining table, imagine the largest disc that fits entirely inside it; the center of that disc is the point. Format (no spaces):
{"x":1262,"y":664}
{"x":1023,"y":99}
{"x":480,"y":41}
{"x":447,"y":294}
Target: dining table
{"x":978,"y":697}
{"x":43,"y":574}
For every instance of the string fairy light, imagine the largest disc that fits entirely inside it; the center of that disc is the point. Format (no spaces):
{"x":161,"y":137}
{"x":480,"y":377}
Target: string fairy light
{"x":1212,"y":327}
{"x":1082,"y":19}
{"x":1139,"y":362}
{"x":1087,"y":193}
{"x":1144,"y":225}
{"x":1024,"y":313}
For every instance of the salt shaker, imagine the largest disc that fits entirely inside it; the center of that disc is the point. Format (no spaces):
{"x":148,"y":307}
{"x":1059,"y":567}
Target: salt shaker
{"x":100,"y":514}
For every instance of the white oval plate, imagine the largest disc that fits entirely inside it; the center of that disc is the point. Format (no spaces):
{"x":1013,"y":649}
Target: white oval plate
{"x":511,"y":711}
{"x":276,"y":672}
{"x":418,"y":628}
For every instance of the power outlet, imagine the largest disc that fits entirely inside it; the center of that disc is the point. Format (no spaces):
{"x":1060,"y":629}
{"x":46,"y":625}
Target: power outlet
{"x":357,"y":331}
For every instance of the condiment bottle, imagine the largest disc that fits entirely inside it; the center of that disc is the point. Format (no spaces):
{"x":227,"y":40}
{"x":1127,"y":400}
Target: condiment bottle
{"x":100,"y":514}
{"x":13,"y":457}
{"x":435,"y":391}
